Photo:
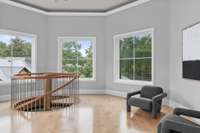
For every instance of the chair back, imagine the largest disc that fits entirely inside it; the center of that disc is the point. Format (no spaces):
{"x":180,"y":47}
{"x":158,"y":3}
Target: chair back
{"x":150,"y":91}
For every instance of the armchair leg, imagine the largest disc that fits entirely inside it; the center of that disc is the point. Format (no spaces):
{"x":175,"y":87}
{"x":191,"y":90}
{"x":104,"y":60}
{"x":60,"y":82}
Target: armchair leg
{"x":156,"y":108}
{"x":153,"y":115}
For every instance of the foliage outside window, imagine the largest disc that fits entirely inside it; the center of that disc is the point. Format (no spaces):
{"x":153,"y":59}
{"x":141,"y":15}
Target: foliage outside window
{"x":15,"y":54}
{"x":78,"y":56}
{"x":134,"y":56}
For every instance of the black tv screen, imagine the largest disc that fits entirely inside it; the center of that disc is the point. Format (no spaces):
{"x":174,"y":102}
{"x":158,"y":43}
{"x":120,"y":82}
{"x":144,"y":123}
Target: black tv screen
{"x":191,"y":52}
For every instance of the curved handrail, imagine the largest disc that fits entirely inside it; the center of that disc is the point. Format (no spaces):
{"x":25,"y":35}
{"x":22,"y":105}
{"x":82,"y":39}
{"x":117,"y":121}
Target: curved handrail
{"x":44,"y":75}
{"x":42,"y":96}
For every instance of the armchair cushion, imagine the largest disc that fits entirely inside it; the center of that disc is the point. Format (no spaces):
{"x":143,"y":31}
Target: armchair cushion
{"x":150,"y":91}
{"x":144,"y":103}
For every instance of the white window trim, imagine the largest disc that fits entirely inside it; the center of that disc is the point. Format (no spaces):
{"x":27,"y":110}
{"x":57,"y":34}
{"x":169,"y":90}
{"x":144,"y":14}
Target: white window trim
{"x":60,"y":46}
{"x":116,"y":59}
{"x":33,"y":49}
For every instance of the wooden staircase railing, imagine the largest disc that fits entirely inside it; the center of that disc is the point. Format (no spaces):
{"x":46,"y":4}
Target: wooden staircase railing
{"x":44,"y":91}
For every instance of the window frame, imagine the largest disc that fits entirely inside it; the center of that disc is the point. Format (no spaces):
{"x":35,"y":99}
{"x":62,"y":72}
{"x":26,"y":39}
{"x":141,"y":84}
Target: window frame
{"x":116,"y":69}
{"x":33,"y":49}
{"x":76,"y":38}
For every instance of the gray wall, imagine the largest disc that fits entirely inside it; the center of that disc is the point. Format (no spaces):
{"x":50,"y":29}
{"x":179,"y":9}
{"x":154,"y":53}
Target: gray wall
{"x":183,"y":14}
{"x":78,"y":26}
{"x":12,"y":18}
{"x":154,"y":14}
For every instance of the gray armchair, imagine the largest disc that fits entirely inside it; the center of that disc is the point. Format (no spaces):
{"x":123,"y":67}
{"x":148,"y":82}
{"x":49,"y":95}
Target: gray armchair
{"x":150,"y":99}
{"x":174,"y":123}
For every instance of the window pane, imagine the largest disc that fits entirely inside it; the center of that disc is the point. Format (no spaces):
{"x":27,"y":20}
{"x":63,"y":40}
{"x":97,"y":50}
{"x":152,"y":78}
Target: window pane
{"x":21,"y":51}
{"x":85,"y":49}
{"x":5,"y":50}
{"x":5,"y":57}
{"x":126,"y":48}
{"x":143,"y":69}
{"x":69,"y":62}
{"x":70,"y":50}
{"x":135,"y":53}
{"x":85,"y":68}
{"x":70,"y":66}
{"x":81,"y":52}
{"x":143,"y":45}
{"x":126,"y":69}
{"x":21,"y":47}
{"x":15,"y":55}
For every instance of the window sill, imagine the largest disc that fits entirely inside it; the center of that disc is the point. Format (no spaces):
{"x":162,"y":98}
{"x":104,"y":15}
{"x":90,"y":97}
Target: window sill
{"x":133,"y":82}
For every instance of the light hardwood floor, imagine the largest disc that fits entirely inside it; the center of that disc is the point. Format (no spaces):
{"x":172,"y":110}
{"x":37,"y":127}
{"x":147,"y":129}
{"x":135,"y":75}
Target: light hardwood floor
{"x":94,"y":114}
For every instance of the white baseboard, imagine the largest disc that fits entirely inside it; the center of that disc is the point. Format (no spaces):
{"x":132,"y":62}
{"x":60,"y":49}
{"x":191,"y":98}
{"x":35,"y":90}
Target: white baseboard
{"x":4,"y":98}
{"x":91,"y":91}
{"x":116,"y":93}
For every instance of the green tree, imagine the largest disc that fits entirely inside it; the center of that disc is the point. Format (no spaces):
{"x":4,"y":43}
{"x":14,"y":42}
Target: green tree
{"x":70,"y":56}
{"x":86,"y":69}
{"x":16,"y":48}
{"x":74,"y":61}
{"x":20,"y":47}
{"x":135,"y":57}
{"x":4,"y":50}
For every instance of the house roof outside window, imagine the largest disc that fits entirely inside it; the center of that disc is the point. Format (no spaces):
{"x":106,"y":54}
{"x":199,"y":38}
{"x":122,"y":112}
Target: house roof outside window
{"x":10,"y":66}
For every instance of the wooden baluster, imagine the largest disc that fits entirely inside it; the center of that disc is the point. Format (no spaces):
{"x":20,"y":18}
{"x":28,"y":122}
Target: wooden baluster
{"x":41,"y":105}
{"x":31,"y":91}
{"x":36,"y":87}
{"x":47,"y":98}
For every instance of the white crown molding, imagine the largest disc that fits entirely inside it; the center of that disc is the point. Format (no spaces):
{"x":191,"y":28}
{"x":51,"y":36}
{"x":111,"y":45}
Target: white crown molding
{"x":11,"y":3}
{"x":125,"y":7}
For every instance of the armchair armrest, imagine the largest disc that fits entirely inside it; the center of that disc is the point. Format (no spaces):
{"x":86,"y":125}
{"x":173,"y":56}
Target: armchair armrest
{"x":133,"y":93}
{"x":187,"y":112}
{"x":159,"y":97}
{"x":127,"y":98}
{"x":155,"y":103}
{"x":180,"y":127}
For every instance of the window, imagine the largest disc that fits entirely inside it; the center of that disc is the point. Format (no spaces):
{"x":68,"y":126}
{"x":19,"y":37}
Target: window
{"x":133,"y":57}
{"x":16,"y":54}
{"x":77,"y":54}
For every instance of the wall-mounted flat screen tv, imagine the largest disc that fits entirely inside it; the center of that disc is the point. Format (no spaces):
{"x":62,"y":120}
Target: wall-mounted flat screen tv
{"x":191,"y":52}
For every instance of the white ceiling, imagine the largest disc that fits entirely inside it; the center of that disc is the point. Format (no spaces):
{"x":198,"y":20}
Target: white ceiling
{"x":75,"y":5}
